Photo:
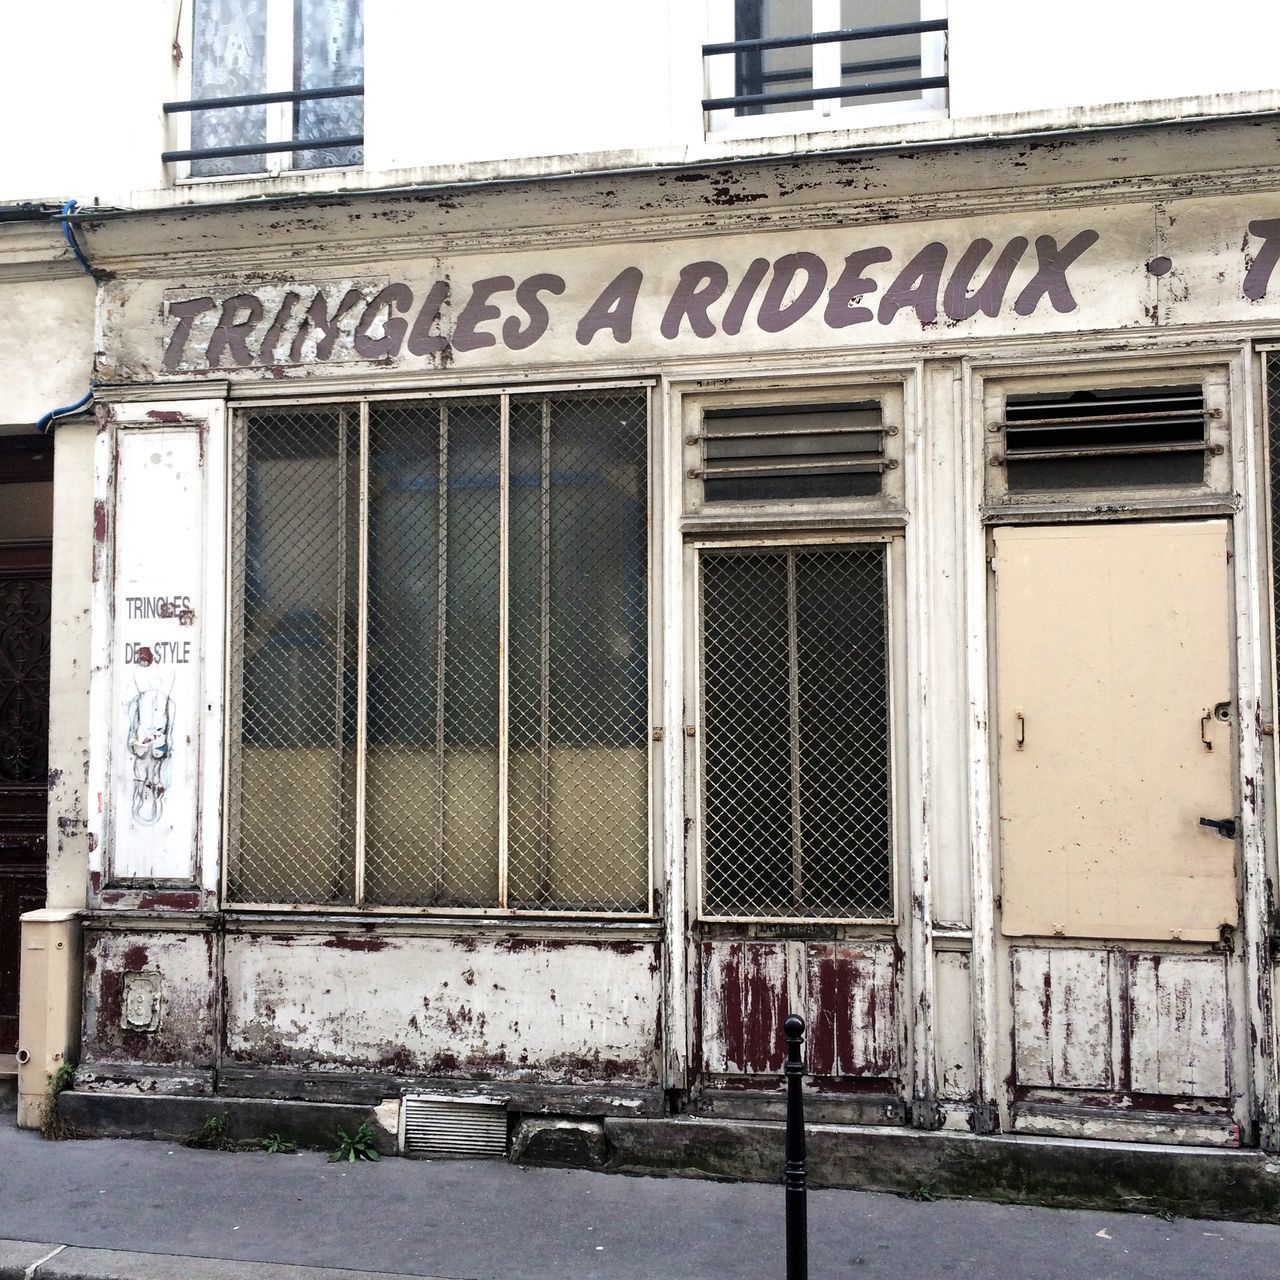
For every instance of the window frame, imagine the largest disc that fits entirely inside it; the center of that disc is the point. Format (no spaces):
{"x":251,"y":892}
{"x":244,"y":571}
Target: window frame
{"x":894,"y":543}
{"x":887,"y":389}
{"x":281,"y":44}
{"x":718,"y":75}
{"x":232,"y":738}
{"x":993,"y":388}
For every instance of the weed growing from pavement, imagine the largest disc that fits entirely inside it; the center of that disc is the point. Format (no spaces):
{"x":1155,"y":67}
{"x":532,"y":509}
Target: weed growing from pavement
{"x":215,"y":1135}
{"x":354,"y":1146}
{"x":52,"y":1125}
{"x":274,"y":1145}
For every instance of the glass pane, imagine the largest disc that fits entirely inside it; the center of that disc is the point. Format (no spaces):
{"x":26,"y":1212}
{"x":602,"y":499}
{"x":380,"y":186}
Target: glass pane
{"x":228,"y":58}
{"x":746,"y":714}
{"x":404,"y":796}
{"x":796,"y":756}
{"x":579,"y":653}
{"x":867,"y":62}
{"x":328,"y":51}
{"x":296,"y":477}
{"x":843,"y":733}
{"x":773,"y":70}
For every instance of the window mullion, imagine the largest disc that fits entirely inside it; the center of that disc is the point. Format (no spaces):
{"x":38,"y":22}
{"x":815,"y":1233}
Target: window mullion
{"x":793,"y":731}
{"x":280,"y":38}
{"x":362,"y":649}
{"x":504,"y":635}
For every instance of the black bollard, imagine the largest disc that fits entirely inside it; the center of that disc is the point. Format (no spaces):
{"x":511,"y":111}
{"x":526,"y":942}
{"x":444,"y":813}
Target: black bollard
{"x":795,"y":1175}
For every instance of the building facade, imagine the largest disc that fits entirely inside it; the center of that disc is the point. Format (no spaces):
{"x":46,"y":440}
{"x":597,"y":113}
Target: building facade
{"x":533,"y":607}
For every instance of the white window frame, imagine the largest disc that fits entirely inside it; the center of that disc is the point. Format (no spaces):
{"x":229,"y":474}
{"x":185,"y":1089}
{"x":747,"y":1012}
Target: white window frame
{"x":894,"y":543}
{"x":994,"y":387}
{"x":718,"y":78}
{"x":279,"y":79}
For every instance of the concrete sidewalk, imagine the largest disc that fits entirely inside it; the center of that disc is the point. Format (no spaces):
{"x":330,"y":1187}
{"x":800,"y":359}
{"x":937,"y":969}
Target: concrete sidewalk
{"x":210,"y":1215}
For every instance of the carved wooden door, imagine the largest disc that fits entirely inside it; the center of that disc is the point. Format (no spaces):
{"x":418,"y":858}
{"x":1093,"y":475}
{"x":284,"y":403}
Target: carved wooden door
{"x":24,"y":760}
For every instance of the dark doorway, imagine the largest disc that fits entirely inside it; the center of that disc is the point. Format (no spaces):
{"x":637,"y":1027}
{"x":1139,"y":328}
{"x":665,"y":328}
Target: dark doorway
{"x":26,"y":527}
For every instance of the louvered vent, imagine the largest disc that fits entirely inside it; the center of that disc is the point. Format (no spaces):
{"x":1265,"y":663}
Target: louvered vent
{"x":444,"y":1126}
{"x":812,"y":451}
{"x":1103,"y":439}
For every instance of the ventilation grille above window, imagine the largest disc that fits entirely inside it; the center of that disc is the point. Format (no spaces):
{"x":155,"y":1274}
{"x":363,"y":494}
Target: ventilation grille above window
{"x":1119,"y":437}
{"x":781,"y":452}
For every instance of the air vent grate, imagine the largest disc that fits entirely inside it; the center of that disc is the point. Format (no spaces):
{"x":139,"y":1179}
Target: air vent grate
{"x":810,"y":451}
{"x":444,"y":1126}
{"x":1104,"y":438}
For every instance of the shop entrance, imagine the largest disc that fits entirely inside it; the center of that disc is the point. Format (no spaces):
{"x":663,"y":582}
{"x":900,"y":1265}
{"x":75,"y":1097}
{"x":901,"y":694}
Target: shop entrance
{"x":795,"y":830}
{"x":1117,"y":827}
{"x":26,"y":519}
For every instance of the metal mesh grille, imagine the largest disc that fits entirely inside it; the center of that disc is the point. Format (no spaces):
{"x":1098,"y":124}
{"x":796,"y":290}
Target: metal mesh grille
{"x":796,"y":752}
{"x":578,"y":665}
{"x":563,"y":506}
{"x":294,"y":635}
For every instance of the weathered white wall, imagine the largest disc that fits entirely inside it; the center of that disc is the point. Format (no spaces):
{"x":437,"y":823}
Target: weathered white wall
{"x":46,"y":323}
{"x":1008,"y":55}
{"x":498,"y":81}
{"x":506,"y":1008}
{"x":69,"y":664}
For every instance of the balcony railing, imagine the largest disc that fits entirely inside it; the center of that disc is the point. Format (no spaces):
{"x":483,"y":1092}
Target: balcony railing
{"x":260,"y":100}
{"x":752,"y":79}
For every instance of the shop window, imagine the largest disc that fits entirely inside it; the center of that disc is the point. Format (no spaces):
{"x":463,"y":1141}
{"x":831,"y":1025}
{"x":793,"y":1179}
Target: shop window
{"x":803,"y":64}
{"x":796,"y":754}
{"x":440,"y":654}
{"x":293,"y":71}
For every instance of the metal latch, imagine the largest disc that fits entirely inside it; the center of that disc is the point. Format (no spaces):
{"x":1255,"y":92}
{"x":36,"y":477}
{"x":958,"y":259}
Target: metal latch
{"x":1225,"y":827}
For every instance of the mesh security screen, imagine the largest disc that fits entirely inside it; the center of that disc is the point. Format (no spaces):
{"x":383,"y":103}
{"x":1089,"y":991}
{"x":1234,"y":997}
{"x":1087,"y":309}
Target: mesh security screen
{"x":467,"y":659}
{"x":796,"y":763}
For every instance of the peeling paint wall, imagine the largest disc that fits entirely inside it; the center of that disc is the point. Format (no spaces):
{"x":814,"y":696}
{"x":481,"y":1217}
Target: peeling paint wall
{"x":516,"y":1008}
{"x":177,"y":993}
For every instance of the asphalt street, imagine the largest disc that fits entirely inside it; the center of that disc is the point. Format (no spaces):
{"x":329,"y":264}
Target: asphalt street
{"x":488,"y":1220}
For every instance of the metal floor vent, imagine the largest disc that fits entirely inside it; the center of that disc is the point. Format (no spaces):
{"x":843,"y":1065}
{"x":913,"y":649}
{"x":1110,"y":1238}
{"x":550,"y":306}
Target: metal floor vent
{"x":444,"y":1126}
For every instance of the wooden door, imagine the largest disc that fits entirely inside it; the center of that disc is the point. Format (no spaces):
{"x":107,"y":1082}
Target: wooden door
{"x":24,"y":759}
{"x":1117,"y":829}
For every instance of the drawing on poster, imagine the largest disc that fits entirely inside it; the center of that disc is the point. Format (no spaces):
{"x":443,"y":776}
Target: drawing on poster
{"x":151,"y":716}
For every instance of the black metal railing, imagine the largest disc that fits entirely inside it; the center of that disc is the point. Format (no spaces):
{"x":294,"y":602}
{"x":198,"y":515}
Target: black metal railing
{"x":752,"y":80}
{"x":261,"y":100}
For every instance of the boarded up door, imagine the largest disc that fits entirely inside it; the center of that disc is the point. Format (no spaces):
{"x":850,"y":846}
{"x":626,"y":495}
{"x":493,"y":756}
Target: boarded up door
{"x":1116,"y":736}
{"x":1115,"y":730}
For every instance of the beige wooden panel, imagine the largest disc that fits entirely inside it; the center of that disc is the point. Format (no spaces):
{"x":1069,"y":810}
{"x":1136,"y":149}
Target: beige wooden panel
{"x":1111,"y":643}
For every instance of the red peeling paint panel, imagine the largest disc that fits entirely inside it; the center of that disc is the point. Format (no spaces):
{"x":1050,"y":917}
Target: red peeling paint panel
{"x":852,"y":1011}
{"x":744,"y":995}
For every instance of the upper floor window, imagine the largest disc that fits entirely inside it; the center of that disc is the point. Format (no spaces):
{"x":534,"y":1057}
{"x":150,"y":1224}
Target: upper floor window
{"x":806,"y":64}
{"x":275,"y":84}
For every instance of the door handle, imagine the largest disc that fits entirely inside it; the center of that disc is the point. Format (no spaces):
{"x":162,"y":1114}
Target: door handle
{"x":1225,"y":827}
{"x":1204,"y":732}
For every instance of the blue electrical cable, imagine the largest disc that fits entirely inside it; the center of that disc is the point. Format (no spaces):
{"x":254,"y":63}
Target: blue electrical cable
{"x":47,"y":420}
{"x":69,"y":236}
